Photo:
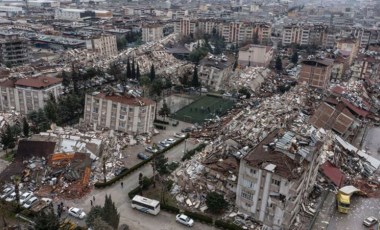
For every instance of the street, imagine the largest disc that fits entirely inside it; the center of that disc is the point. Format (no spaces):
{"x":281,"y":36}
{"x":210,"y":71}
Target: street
{"x":133,"y":218}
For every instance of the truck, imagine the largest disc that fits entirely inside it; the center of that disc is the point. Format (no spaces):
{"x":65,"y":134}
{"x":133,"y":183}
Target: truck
{"x":41,"y":204}
{"x":343,"y":198}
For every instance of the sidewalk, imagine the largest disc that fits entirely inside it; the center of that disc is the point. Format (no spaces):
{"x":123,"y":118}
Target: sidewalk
{"x":325,"y":213}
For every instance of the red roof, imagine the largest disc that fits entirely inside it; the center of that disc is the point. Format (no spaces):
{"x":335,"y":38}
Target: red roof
{"x":332,"y":173}
{"x":338,"y":90}
{"x":355,"y":109}
{"x":38,"y":82}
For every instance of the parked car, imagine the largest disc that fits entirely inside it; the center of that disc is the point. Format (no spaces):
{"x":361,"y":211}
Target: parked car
{"x":26,"y":196}
{"x":151,"y":149}
{"x":179,"y":135}
{"x":76,"y":212}
{"x":370,"y":221}
{"x":164,"y":144}
{"x":183,"y":219}
{"x":6,"y":192}
{"x":33,"y":200}
{"x":187,"y":130}
{"x":120,"y":171}
{"x":142,"y":156}
{"x":11,"y":197}
{"x":170,"y":140}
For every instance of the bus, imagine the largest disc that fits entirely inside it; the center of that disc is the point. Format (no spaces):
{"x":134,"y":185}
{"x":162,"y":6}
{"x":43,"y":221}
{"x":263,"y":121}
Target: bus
{"x":147,"y":205}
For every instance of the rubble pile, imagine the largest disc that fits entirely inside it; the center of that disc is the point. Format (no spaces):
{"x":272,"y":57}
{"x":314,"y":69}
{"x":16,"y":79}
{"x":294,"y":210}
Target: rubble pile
{"x":250,"y":77}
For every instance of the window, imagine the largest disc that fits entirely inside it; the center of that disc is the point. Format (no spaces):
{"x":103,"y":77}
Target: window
{"x":276,"y":182}
{"x":130,"y":109}
{"x":247,"y":195}
{"x":123,"y":108}
{"x":95,"y":110}
{"x":114,"y":106}
{"x":247,"y":183}
{"x":248,"y":205}
{"x":121,"y":117}
{"x":253,"y":171}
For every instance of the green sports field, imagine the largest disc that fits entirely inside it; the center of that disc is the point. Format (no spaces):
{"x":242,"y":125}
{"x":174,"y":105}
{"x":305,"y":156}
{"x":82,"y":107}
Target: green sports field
{"x":203,"y":108}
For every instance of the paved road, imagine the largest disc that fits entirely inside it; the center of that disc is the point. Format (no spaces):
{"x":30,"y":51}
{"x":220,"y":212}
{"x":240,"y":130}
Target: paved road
{"x":135,"y":219}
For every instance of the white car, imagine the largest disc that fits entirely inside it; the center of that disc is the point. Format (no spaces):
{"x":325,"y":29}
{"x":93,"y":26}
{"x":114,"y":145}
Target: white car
{"x":370,"y":221}
{"x":179,"y":135}
{"x":6,"y":192}
{"x":11,"y":197}
{"x":164,"y":144}
{"x":26,"y":196}
{"x":169,"y":140}
{"x":76,"y":212}
{"x":183,"y":219}
{"x":29,"y":203}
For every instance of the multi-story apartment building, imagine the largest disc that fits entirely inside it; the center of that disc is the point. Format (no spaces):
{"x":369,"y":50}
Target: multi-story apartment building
{"x":13,"y":49}
{"x":118,"y":112}
{"x":348,"y":47}
{"x":255,"y":55}
{"x":365,"y":67}
{"x":214,"y":72}
{"x":105,"y":45}
{"x":152,"y":32}
{"x":276,"y":177}
{"x":304,"y":34}
{"x":80,"y":14}
{"x":28,"y":94}
{"x":232,"y":32}
{"x":316,"y":73}
{"x":185,"y":26}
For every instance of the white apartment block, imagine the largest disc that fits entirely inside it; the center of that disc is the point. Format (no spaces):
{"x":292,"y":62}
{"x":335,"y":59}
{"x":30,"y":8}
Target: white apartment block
{"x":275,"y":177}
{"x":121,"y":113}
{"x":151,"y":33}
{"x":79,"y":14}
{"x":105,"y":45}
{"x":28,"y":94}
{"x":11,"y":10}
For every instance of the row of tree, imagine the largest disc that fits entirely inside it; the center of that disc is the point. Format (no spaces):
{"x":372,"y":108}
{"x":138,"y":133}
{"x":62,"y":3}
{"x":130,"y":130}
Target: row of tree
{"x":104,"y":218}
{"x":11,"y":132}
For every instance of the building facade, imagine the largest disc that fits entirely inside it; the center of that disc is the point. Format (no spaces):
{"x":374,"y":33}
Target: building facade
{"x":316,"y":73}
{"x":105,"y":45}
{"x":28,"y":94}
{"x":275,"y":178}
{"x":79,"y":14}
{"x":122,"y":113}
{"x":304,"y":34}
{"x":348,"y":47}
{"x":255,"y":55}
{"x":14,"y":51}
{"x":152,"y":32}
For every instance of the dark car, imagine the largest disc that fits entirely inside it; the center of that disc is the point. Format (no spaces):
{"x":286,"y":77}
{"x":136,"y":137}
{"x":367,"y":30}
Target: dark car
{"x":142,"y":156}
{"x":187,"y":130}
{"x":120,"y":171}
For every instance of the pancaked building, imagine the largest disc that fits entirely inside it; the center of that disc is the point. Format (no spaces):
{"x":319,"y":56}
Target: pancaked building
{"x":276,"y":176}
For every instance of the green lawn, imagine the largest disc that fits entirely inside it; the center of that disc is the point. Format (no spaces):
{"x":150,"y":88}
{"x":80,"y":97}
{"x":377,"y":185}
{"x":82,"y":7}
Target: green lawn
{"x":205,"y":107}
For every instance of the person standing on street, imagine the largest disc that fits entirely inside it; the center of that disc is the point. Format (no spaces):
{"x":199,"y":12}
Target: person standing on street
{"x":122,"y":184}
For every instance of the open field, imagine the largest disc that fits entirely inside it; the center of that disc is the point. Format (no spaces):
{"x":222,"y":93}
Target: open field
{"x":205,"y":107}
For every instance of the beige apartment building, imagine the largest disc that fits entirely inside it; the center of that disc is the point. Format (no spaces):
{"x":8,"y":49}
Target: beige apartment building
{"x":316,"y":73}
{"x":348,"y":47}
{"x":28,"y":94}
{"x":152,"y":32}
{"x":122,"y":113}
{"x":105,"y":45}
{"x":255,"y":55}
{"x":276,"y":177}
{"x":185,"y":26}
{"x":304,"y":34}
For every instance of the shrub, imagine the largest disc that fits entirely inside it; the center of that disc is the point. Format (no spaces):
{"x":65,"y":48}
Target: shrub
{"x":160,"y":127}
{"x":226,"y":225}
{"x":146,"y":183}
{"x":199,"y":217}
{"x":169,"y":208}
{"x":192,"y":152}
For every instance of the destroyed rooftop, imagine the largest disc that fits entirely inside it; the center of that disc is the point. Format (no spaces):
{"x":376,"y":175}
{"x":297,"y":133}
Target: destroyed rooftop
{"x":270,"y":155}
{"x":34,"y":82}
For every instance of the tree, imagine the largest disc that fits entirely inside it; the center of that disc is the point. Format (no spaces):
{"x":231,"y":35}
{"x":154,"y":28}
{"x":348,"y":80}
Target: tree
{"x":160,"y":163}
{"x":152,"y":74}
{"x":25,"y":127}
{"x":100,"y":224}
{"x":195,"y":82}
{"x":16,"y":181}
{"x":165,"y":110}
{"x":94,"y":213}
{"x":216,"y":202}
{"x":47,"y":221}
{"x":8,"y":138}
{"x":255,"y":38}
{"x":110,"y":213}
{"x":278,"y":64}
{"x":121,"y":43}
{"x":294,"y":58}
{"x":66,"y":79}
{"x":138,"y":72}
{"x":156,"y":87}
{"x":51,"y":109}
{"x":133,"y":70}
{"x":129,"y":73}
{"x":141,"y":176}
{"x":245,"y":91}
